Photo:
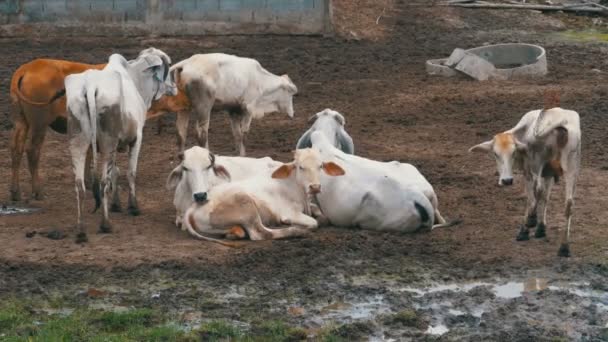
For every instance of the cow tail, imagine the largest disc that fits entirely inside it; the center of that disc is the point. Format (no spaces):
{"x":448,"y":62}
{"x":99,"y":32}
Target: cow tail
{"x":425,"y":210}
{"x":91,"y":102}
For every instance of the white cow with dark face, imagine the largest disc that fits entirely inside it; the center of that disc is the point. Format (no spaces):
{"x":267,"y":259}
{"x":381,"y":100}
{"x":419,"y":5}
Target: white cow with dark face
{"x":115,"y":100}
{"x":241,"y":86}
{"x":200,"y":170}
{"x":330,"y":123}
{"x":374,"y":195}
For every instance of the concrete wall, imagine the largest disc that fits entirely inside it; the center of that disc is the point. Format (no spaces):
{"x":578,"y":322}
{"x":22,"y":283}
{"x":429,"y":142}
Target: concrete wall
{"x":171,"y":17}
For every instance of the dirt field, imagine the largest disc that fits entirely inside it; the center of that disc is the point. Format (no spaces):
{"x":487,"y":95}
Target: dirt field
{"x":363,"y":282}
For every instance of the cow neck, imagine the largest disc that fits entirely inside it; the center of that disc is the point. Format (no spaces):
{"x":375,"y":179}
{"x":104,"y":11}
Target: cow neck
{"x":294,"y":192}
{"x":136,"y":68}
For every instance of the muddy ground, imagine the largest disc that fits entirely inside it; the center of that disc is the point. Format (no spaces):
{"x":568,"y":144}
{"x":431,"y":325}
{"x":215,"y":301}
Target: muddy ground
{"x":369,"y":285}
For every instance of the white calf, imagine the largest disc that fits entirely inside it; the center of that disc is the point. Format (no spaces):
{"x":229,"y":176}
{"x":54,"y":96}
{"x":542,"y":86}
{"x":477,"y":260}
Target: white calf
{"x":200,"y":170}
{"x":256,"y":203}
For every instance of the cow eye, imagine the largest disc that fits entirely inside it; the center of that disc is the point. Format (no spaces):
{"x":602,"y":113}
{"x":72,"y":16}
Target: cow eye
{"x":185,"y":169}
{"x":300,"y":167}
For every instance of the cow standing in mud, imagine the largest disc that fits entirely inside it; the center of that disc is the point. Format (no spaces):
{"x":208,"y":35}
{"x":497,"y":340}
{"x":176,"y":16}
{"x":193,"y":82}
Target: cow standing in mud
{"x":37,"y":102}
{"x":219,"y":81}
{"x":545,"y":144}
{"x":114,"y":99}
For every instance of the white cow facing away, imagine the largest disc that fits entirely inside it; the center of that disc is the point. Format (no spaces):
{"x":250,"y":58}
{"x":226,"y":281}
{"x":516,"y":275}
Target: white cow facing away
{"x":200,"y":171}
{"x":238,"y":85}
{"x":107,"y":109}
{"x":376,"y":195}
{"x":330,"y":123}
{"x":255,"y":204}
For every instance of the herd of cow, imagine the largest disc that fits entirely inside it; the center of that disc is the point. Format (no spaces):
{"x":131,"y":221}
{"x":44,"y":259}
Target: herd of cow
{"x":103,"y":109}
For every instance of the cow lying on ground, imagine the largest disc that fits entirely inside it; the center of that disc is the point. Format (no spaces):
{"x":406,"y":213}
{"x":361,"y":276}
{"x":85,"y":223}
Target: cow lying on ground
{"x":375,"y":195}
{"x":114,"y":99}
{"x":331,"y":123}
{"x":264,"y":201}
{"x":545,"y":144}
{"x":200,"y":170}
{"x":37,"y":102}
{"x":219,"y":81}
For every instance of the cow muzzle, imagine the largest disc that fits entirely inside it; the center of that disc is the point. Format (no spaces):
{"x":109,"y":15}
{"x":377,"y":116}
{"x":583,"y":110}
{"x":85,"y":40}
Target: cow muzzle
{"x":200,"y":197}
{"x":314,"y":189}
{"x":506,"y":181}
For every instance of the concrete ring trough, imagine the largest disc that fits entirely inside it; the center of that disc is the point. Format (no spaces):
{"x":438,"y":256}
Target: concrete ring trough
{"x":500,"y":61}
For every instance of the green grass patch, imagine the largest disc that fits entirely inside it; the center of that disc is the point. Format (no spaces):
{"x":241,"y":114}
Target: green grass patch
{"x":585,"y":36}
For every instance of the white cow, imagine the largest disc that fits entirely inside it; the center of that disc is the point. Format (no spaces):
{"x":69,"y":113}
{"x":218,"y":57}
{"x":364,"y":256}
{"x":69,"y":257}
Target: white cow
{"x":331,"y":123}
{"x":238,"y":85}
{"x":114,"y":99}
{"x":257,"y":203}
{"x":374,"y":195}
{"x":545,"y":144}
{"x":200,"y":170}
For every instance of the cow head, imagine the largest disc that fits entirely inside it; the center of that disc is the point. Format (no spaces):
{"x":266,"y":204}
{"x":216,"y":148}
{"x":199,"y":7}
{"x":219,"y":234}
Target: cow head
{"x":157,"y":63}
{"x":196,"y":167}
{"x":331,"y":124}
{"x":306,"y":169}
{"x":278,"y":97}
{"x":507,"y":151}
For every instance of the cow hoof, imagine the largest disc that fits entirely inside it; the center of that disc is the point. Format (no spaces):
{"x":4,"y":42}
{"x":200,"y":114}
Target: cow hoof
{"x":134,"y":211}
{"x":523,"y":235}
{"x":531,"y":221}
{"x":115,"y":208}
{"x":15,"y":195}
{"x":564,"y":251}
{"x":105,"y":228}
{"x":540,"y":231}
{"x":82,"y":238}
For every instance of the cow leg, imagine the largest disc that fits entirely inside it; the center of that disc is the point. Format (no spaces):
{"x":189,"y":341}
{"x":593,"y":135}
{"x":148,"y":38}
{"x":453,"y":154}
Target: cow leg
{"x":18,"y":139}
{"x":202,"y":97}
{"x":115,"y":207}
{"x":181,"y":123}
{"x":79,"y":144}
{"x":524,"y":230}
{"x":236,"y":118}
{"x":571,"y":175}
{"x":37,"y":134}
{"x":87,"y":170}
{"x":543,"y":195}
{"x":133,"y":208}
{"x":300,"y":219}
{"x":108,"y":162}
{"x":245,"y":124}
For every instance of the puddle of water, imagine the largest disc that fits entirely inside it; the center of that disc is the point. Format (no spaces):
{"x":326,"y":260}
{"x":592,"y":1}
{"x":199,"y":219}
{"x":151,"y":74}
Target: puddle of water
{"x":10,"y":210}
{"x":509,"y":290}
{"x":344,"y":312}
{"x":438,"y":330}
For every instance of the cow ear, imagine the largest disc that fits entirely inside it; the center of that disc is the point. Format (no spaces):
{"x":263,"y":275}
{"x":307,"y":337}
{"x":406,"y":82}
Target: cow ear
{"x":333,"y":169}
{"x":174,"y":177}
{"x":283,"y":171}
{"x":221,"y":171}
{"x":313,"y":118}
{"x":521,"y":147}
{"x":483,"y":147}
{"x":340,"y":119}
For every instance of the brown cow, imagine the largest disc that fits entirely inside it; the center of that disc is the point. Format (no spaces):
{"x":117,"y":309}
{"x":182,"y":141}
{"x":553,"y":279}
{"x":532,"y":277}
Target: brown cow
{"x":38,"y":101}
